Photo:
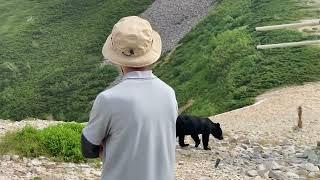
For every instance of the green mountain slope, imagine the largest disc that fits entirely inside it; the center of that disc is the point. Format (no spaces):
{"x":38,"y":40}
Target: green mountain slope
{"x":218,"y":65}
{"x":50,"y":55}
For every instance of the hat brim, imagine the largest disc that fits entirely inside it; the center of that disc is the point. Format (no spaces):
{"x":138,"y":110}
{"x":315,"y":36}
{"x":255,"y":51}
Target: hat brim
{"x":133,"y":61}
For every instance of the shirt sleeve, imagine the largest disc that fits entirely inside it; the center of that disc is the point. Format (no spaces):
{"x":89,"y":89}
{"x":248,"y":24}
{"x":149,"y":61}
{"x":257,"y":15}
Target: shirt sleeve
{"x":100,"y":116}
{"x":176,"y":103}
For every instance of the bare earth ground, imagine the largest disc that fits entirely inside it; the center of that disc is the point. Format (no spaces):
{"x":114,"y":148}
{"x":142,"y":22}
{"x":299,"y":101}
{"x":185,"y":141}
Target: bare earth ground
{"x":275,"y":114}
{"x":269,"y":122}
{"x":255,"y":137}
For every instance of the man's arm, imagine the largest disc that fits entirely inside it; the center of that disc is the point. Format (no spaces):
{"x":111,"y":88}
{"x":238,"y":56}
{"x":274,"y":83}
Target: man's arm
{"x":96,"y":129}
{"x":89,"y":150}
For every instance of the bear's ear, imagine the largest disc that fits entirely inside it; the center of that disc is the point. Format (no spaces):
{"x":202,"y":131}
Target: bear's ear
{"x":218,"y":124}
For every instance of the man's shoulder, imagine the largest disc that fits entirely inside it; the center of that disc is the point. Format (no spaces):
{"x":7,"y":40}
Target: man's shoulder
{"x":107,"y":93}
{"x":165,"y":85}
{"x":123,"y":88}
{"x":113,"y":93}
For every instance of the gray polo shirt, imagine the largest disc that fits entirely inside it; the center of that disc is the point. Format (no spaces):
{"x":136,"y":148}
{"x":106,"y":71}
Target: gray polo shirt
{"x":136,"y":120}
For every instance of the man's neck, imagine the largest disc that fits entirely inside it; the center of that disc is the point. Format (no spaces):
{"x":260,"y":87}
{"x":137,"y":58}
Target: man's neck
{"x":126,"y":70}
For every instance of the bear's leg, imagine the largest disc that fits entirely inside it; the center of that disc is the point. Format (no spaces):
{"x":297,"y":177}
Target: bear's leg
{"x":181,"y":141}
{"x":205,"y":141}
{"x":196,"y":139}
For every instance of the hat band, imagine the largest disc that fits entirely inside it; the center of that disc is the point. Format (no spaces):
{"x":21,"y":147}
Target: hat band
{"x":130,"y":52}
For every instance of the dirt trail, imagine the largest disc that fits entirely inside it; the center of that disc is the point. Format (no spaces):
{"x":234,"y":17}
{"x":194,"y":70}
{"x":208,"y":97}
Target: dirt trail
{"x":275,"y":113}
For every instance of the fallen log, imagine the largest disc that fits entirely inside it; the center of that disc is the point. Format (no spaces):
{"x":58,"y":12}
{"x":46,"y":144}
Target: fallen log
{"x":313,"y":22}
{"x":291,"y":44}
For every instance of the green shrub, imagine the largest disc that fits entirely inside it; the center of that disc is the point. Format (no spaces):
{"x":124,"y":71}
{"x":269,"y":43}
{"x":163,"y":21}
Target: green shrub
{"x":61,"y":142}
{"x":50,"y":55}
{"x":219,"y":67}
{"x":26,"y":142}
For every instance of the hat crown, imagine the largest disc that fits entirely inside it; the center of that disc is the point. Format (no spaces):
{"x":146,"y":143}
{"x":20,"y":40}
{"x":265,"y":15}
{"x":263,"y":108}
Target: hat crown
{"x":132,"y":36}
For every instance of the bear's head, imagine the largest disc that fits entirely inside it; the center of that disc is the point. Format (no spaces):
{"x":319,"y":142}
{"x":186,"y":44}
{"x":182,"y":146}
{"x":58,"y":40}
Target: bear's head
{"x":216,"y":131}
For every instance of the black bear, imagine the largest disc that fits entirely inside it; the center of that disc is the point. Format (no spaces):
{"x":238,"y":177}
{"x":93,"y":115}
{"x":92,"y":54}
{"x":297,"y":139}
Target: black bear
{"x":190,"y":125}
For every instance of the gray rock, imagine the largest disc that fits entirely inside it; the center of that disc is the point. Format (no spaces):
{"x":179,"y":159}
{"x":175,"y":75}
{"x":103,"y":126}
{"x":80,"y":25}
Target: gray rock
{"x":246,"y":141}
{"x":6,"y":157}
{"x":50,"y":165}
{"x":301,"y":155}
{"x":233,"y":141}
{"x":224,"y":144}
{"x":86,"y":172}
{"x":272,"y":165}
{"x":289,"y":150}
{"x":204,"y":178}
{"x":285,"y":142}
{"x":312,"y":175}
{"x":291,"y":175}
{"x":244,"y":146}
{"x":2,"y":163}
{"x":302,"y":172}
{"x":256,"y":157}
{"x":36,"y":162}
{"x":263,"y":173}
{"x":258,"y":149}
{"x":25,"y":160}
{"x":245,"y":156}
{"x":265,"y":155}
{"x":252,"y":173}
{"x":38,"y":170}
{"x":83,"y":166}
{"x":261,"y":167}
{"x":52,"y":176}
{"x":258,"y":178}
{"x":295,"y":162}
{"x":276,"y":175}
{"x":29,"y":164}
{"x":311,"y":167}
{"x":313,"y":157}
{"x":70,"y":165}
{"x":15,"y":157}
{"x":42,"y":158}
{"x":96,"y":173}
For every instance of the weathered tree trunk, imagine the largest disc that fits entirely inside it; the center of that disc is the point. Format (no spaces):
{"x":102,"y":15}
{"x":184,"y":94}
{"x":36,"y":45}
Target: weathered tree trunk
{"x":313,"y":22}
{"x":291,"y":44}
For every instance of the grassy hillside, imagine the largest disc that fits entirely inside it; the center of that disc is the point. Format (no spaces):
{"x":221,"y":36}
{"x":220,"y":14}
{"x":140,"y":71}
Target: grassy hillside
{"x":218,"y":66}
{"x":50,"y":55}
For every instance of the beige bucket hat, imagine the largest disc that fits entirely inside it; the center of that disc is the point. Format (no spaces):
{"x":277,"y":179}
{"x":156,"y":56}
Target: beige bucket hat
{"x":132,"y":43}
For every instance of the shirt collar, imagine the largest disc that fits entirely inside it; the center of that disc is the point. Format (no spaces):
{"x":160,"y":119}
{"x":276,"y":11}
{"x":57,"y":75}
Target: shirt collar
{"x":139,"y":75}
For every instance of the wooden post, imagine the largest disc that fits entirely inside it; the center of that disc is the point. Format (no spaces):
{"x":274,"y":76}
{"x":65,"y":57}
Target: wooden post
{"x":185,"y":107}
{"x":300,"y":117}
{"x":313,"y":22}
{"x":291,"y":44}
{"x":217,"y":163}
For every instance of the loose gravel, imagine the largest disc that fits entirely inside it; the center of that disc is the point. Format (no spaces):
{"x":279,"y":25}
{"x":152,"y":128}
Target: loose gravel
{"x":174,"y":18}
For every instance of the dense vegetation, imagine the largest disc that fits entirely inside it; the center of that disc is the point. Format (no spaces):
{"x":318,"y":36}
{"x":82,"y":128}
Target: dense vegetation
{"x":61,"y":142}
{"x":50,"y":55}
{"x":50,"y":59}
{"x":218,"y":65}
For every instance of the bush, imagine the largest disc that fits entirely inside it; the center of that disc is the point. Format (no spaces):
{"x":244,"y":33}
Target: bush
{"x":26,"y":142}
{"x":50,"y":55}
{"x":61,"y":142}
{"x":219,"y":67}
